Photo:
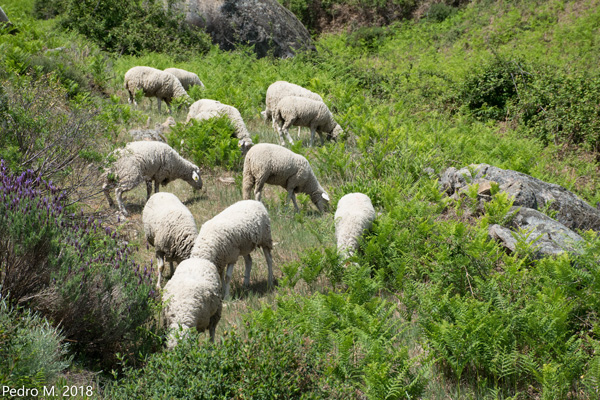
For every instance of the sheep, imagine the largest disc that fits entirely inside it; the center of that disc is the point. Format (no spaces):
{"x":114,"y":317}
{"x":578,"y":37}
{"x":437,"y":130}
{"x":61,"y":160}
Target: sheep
{"x":154,"y":83}
{"x":235,"y":232}
{"x":354,"y":215}
{"x":276,"y":165}
{"x":147,"y":161}
{"x":169,"y":227}
{"x":280,"y":89}
{"x":205,"y":109}
{"x":158,"y":133}
{"x":187,"y":78}
{"x":300,"y":111}
{"x":192,"y":299}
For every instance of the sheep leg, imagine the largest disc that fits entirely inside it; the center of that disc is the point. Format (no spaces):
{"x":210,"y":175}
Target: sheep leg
{"x":118,"y":193}
{"x":148,"y":189}
{"x":248,"y":261}
{"x":248,"y":184}
{"x":106,"y":189}
{"x":156,"y":185}
{"x":285,"y":129}
{"x":260,"y":184}
{"x":228,"y":274}
{"x":269,"y":259}
{"x":160,"y":264}
{"x":292,"y":195}
{"x":158,"y":100}
{"x":312,"y":136}
{"x":299,"y":132}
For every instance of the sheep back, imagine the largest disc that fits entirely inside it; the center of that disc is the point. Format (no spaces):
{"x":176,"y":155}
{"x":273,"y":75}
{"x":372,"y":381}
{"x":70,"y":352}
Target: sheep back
{"x":280,"y":89}
{"x":148,"y":160}
{"x":234,"y":232}
{"x":154,"y":83}
{"x":187,"y":78}
{"x":169,"y":226}
{"x":276,"y":165}
{"x":301,"y":111}
{"x":354,"y":215}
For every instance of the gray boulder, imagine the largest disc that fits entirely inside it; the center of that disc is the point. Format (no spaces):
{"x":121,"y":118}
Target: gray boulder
{"x":529,"y":192}
{"x":549,"y":236}
{"x":265,"y":24}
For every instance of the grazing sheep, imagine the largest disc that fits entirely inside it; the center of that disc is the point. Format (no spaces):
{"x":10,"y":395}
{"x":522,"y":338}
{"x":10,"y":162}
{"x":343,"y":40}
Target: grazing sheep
{"x":276,"y":165}
{"x":354,"y":215}
{"x":187,"y":78}
{"x":147,"y":161}
{"x":169,"y":227}
{"x":192,"y":299}
{"x":280,"y":89}
{"x":235,"y":232}
{"x":300,"y":111}
{"x":154,"y":83}
{"x":205,"y":109}
{"x":157,"y":134}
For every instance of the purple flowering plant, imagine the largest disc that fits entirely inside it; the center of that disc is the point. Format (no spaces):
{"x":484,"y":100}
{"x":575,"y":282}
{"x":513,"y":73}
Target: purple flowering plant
{"x":77,"y":272}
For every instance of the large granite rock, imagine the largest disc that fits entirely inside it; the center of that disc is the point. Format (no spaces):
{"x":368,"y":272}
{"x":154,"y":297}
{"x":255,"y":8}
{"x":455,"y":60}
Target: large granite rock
{"x":529,"y":192}
{"x":549,"y":237}
{"x":266,"y":24}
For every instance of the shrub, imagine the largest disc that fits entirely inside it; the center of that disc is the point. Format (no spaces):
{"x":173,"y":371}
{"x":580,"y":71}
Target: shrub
{"x":31,"y":350}
{"x":208,"y":143}
{"x":488,"y":91}
{"x":43,"y":132}
{"x":70,"y":268}
{"x":134,"y":27}
{"x":256,"y":362}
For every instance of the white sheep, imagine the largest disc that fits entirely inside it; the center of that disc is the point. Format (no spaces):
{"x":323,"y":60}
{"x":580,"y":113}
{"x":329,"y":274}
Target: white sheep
{"x":169,"y":227}
{"x":276,"y":165}
{"x":147,"y":161}
{"x":204,"y":109}
{"x":154,"y":83}
{"x":192,"y":299}
{"x":280,"y":89}
{"x":187,"y":78}
{"x":234,"y":233}
{"x":354,"y":216}
{"x":300,"y":111}
{"x":158,"y":133}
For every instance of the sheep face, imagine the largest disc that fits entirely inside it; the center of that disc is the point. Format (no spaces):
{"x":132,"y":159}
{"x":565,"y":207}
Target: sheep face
{"x":245,"y":145}
{"x":321,"y":200}
{"x":195,"y":180}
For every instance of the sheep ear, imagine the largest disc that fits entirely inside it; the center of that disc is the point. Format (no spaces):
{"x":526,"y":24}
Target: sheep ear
{"x":195,"y":176}
{"x":325,"y":196}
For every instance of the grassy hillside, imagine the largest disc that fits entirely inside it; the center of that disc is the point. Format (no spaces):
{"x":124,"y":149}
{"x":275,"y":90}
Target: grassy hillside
{"x":430,"y":308}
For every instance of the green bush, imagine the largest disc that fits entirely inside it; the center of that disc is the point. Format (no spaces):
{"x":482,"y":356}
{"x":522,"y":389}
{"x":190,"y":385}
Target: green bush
{"x":492,"y":87}
{"x":134,"y":27}
{"x":31,"y":350}
{"x":256,"y":361}
{"x":207,"y":143}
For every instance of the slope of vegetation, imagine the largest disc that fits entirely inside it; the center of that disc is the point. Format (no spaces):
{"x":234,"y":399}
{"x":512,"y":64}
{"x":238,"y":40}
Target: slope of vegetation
{"x":429,"y":308}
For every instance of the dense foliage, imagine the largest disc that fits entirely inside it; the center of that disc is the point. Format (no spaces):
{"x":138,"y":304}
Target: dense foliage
{"x":208,"y":143}
{"x":266,"y":362}
{"x":32,"y":351}
{"x":69,"y":267}
{"x":128,"y":27}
